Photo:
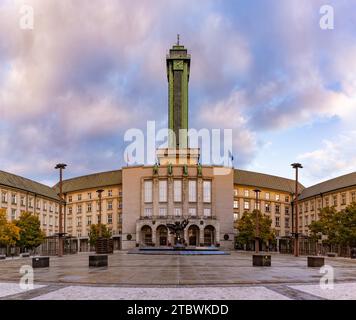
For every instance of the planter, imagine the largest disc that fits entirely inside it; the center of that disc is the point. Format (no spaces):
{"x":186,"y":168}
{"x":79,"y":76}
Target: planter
{"x":261,"y":260}
{"x":25,"y":255}
{"x":104,"y":246}
{"x":98,"y":260}
{"x":40,"y":262}
{"x":316,"y":262}
{"x":2,"y":256}
{"x":331,"y":254}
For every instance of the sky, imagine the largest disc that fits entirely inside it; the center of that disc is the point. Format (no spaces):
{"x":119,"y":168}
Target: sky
{"x":89,"y":70}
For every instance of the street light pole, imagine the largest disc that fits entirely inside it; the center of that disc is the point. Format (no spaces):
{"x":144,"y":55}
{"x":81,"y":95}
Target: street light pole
{"x":61,"y":167}
{"x":296,"y":166}
{"x":257,"y":238}
{"x":100,"y":191}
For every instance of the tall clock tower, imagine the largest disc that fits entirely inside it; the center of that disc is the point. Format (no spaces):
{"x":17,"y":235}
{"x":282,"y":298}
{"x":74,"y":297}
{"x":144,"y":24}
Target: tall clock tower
{"x":178,"y":68}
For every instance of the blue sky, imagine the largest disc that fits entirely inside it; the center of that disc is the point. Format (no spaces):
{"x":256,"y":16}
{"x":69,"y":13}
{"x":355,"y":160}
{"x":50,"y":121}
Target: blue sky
{"x":86,"y":73}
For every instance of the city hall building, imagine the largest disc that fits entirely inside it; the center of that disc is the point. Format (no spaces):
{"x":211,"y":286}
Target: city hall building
{"x":139,"y":201}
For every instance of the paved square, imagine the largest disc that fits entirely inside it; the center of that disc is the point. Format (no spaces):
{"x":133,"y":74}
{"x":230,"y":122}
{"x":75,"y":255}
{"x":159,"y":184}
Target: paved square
{"x":197,"y":293}
{"x":179,"y":277}
{"x":7,"y":289}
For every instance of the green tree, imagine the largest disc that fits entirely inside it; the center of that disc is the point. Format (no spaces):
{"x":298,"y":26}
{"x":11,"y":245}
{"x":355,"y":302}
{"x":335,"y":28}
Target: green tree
{"x":31,"y":235}
{"x":9,"y":232}
{"x":337,"y":227}
{"x":94,"y":233}
{"x":246,"y":227}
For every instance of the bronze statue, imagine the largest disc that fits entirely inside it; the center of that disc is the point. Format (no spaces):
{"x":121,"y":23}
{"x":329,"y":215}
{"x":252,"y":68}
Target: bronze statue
{"x":177,"y":229}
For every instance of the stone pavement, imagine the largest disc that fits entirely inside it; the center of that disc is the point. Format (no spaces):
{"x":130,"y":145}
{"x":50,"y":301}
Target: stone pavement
{"x":132,"y":276}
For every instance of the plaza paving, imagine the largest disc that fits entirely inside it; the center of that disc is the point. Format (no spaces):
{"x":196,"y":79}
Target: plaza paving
{"x":131,"y":276}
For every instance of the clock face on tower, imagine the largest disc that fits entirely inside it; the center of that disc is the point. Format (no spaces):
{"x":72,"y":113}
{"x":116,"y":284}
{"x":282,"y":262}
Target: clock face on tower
{"x":178,"y":65}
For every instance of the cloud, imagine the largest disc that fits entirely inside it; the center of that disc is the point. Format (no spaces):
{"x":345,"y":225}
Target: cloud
{"x":335,"y":157}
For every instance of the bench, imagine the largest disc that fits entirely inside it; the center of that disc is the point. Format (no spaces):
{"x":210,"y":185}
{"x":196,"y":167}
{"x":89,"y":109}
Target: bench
{"x":2,"y":256}
{"x":98,"y":260}
{"x":331,"y":254}
{"x":261,"y":260}
{"x":315,"y":262}
{"x":25,"y":255}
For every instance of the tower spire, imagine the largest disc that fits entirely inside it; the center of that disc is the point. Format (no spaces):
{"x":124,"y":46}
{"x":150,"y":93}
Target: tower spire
{"x":178,"y":39}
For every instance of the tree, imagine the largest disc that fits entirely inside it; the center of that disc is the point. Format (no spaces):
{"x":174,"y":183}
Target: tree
{"x":9,"y":232}
{"x":94,"y":233}
{"x":246,"y":227}
{"x":338,"y":227}
{"x":31,"y":235}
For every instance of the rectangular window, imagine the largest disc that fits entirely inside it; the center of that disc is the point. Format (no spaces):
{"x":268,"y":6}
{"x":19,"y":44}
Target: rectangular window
{"x":109,"y":205}
{"x":335,"y":200}
{"x":236,"y":216}
{"x":38,"y":204}
{"x":287,"y":199}
{"x":278,"y":208}
{"x":109,"y":218}
{"x":162,"y":184}
{"x":79,"y":197}
{"x":192,"y":212}
{"x":89,"y":207}
{"x":306,"y":207}
{"x":177,"y":186}
{"x":79,"y":221}
{"x":246,"y":205}
{"x":4,"y":197}
{"x":207,"y":212}
{"x":177,"y":212}
{"x":257,"y":205}
{"x":306,"y":221}
{"x":207,"y":191}
{"x":70,"y":210}
{"x":45,"y":206}
{"x":30,"y":203}
{"x":22,"y":201}
{"x":13,"y":214}
{"x":312,"y":206}
{"x":88,"y":220}
{"x":246,"y":193}
{"x":319,"y":203}
{"x":236,"y":192}
{"x":287,"y":222}
{"x":236,"y":204}
{"x":79,"y":208}
{"x":89,"y":195}
{"x":162,"y":212}
{"x":148,"y":212}
{"x":343,"y":199}
{"x":278,"y":197}
{"x":13,"y":199}
{"x":70,"y":199}
{"x":286,"y":209}
{"x":267,"y":196}
{"x":148,"y":191}
{"x":44,"y":220}
{"x":268,"y":207}
{"x":192,"y":191}
{"x":327,"y":201}
{"x":109,"y":193}
{"x":353,"y":196}
{"x":277,"y":221}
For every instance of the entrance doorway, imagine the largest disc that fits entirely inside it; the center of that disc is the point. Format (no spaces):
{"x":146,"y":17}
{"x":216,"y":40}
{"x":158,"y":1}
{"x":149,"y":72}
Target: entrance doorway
{"x":209,"y":236}
{"x":193,"y":235}
{"x":162,"y":235}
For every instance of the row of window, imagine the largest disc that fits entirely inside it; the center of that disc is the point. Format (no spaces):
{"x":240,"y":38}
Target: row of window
{"x":177,"y":212}
{"x":89,"y":207}
{"x":276,"y":220}
{"x":89,"y":196}
{"x":328,"y":201}
{"x":267,"y":195}
{"x":90,"y":220}
{"x":177,"y":191}
{"x":257,"y":206}
{"x":14,"y":201}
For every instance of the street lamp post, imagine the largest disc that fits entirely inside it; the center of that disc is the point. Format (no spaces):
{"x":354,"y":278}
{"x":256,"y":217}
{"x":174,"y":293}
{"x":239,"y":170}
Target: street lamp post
{"x":257,"y":238}
{"x":296,"y":166}
{"x":100,"y":191}
{"x":61,"y":167}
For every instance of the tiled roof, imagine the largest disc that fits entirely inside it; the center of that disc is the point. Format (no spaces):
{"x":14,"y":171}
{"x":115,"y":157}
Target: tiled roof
{"x":95,"y":180}
{"x":344,"y":181}
{"x":24,"y":184}
{"x":261,"y":180}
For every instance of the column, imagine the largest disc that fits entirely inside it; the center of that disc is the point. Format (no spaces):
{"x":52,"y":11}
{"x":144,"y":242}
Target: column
{"x":138,"y":233}
{"x":201,"y":235}
{"x":217,"y":233}
{"x":186,"y":235}
{"x":200,"y":198}
{"x":185,"y":195}
{"x":155,"y":197}
{"x":170,"y":197}
{"x":154,"y":233}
